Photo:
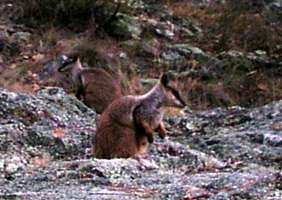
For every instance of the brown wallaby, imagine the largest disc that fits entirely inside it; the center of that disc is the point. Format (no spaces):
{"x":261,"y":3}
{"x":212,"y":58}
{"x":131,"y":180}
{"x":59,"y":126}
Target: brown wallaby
{"x":94,"y":86}
{"x":126,"y":126}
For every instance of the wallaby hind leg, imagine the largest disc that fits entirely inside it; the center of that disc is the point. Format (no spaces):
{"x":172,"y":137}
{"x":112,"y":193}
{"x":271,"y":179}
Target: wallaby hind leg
{"x":126,"y":145}
{"x":162,"y":131}
{"x":148,"y":131}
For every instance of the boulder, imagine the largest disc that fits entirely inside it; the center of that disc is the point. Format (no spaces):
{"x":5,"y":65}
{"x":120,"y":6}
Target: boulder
{"x":215,"y":154}
{"x":189,"y":50}
{"x":125,"y":27}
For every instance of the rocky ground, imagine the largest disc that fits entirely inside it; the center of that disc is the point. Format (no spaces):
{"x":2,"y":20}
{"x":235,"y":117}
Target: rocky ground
{"x":233,"y":153}
{"x":221,"y":153}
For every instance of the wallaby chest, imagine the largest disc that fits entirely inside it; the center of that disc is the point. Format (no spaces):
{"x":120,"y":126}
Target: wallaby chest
{"x":152,"y":115}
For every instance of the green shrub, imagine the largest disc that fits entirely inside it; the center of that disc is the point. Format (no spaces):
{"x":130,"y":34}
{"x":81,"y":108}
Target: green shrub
{"x":78,"y":12}
{"x":245,"y":23}
{"x":86,"y":50}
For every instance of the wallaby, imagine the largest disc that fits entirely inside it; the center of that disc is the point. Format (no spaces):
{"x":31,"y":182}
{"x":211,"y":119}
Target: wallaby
{"x":94,"y":86}
{"x":126,"y":126}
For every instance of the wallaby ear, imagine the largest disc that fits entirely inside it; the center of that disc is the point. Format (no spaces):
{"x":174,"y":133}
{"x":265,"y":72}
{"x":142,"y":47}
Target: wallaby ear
{"x":78,"y":63}
{"x":66,"y":61}
{"x":164,"y":79}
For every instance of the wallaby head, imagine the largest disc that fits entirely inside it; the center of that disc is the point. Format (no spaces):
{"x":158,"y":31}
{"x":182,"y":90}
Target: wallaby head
{"x":69,"y":63}
{"x":94,"y":86}
{"x":172,"y":96}
{"x":72,"y":65}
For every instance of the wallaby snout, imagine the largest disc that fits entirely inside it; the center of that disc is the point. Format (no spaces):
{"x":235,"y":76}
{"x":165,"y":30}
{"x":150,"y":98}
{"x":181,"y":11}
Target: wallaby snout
{"x":177,"y":99}
{"x":173,"y":98}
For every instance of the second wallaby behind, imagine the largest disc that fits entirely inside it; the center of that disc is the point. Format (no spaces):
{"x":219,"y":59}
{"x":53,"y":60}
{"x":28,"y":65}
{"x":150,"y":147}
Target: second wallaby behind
{"x":93,"y":86}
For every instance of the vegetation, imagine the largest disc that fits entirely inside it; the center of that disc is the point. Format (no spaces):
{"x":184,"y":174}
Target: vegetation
{"x":138,"y":41}
{"x":242,"y":25}
{"x":76,"y":12}
{"x":246,"y":24}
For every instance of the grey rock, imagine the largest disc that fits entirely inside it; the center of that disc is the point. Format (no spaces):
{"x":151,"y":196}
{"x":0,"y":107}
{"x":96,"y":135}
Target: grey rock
{"x":21,"y":36}
{"x":151,"y":47}
{"x":232,"y":54}
{"x":188,"y":50}
{"x":165,"y":29}
{"x":273,"y":139}
{"x":13,"y":164}
{"x":51,"y":121}
{"x":125,"y":27}
{"x":171,"y":58}
{"x":187,"y":32}
{"x":187,"y":27}
{"x":248,"y":60}
{"x":177,"y":56}
{"x":275,"y":3}
{"x":123,"y":55}
{"x":236,"y":133}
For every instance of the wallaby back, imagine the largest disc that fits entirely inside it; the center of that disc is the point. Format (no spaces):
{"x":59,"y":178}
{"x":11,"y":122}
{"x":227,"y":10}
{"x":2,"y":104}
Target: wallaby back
{"x":116,"y":134}
{"x":94,"y":86}
{"x":98,"y":88}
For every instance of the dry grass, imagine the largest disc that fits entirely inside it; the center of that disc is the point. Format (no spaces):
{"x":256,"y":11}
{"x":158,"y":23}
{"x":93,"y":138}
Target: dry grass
{"x":52,"y":36}
{"x":231,"y":28}
{"x":204,"y":14}
{"x":75,"y":14}
{"x":245,"y":91}
{"x":172,"y":112}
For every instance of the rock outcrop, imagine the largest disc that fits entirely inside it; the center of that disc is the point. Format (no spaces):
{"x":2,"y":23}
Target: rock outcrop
{"x":230,"y":153}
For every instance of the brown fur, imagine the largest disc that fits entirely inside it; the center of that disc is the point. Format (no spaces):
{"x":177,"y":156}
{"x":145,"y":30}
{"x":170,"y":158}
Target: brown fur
{"x":126,"y":127}
{"x":99,"y":89}
{"x":94,"y":86}
{"x":116,"y":135}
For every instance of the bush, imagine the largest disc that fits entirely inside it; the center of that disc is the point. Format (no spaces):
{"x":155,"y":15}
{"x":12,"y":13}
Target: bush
{"x":245,"y":23}
{"x":78,"y":12}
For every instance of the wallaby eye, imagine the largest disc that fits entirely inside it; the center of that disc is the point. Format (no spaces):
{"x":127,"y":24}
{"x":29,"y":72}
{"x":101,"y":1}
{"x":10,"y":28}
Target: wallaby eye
{"x":175,"y":96}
